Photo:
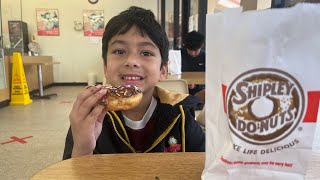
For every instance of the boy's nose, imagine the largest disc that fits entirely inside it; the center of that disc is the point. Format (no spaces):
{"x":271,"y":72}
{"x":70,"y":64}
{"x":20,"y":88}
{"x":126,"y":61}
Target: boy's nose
{"x":132,"y":61}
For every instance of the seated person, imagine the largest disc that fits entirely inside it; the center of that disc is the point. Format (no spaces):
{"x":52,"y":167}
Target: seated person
{"x":135,"y":52}
{"x":193,"y":59}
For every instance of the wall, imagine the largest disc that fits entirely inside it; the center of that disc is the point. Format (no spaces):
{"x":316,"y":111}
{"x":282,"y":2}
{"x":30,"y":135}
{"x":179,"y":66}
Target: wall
{"x":249,"y":5}
{"x":77,"y":54}
{"x":255,"y":5}
{"x":211,"y":6}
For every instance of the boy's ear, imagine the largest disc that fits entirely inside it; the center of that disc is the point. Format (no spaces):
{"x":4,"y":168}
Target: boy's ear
{"x":163,"y":71}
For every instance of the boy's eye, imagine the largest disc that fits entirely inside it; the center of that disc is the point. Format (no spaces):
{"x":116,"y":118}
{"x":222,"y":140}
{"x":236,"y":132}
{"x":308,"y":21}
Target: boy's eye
{"x":118,"y":51}
{"x":146,"y":53}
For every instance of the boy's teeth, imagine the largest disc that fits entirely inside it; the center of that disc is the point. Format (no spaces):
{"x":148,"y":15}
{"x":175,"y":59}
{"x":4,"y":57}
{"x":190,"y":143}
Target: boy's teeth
{"x":131,"y":78}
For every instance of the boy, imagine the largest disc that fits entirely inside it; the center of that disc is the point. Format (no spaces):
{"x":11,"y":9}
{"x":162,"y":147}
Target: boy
{"x":135,"y":51}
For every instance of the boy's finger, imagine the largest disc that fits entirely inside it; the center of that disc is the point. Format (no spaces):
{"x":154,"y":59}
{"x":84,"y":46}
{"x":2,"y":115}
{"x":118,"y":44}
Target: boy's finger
{"x":91,"y":102}
{"x":87,"y":92}
{"x":102,"y":115}
{"x":96,"y":114}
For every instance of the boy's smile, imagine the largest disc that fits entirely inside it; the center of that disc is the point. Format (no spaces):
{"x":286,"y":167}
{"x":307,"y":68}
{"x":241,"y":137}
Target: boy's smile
{"x":131,"y":78}
{"x":133,"y":58}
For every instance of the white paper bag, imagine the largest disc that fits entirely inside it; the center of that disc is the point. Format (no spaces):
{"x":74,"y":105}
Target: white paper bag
{"x":174,"y":64}
{"x":263,"y":92}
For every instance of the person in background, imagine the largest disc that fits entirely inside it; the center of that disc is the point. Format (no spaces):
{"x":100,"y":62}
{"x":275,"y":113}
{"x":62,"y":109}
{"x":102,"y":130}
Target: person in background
{"x":192,"y":56}
{"x":134,"y":51}
{"x":193,"y":59}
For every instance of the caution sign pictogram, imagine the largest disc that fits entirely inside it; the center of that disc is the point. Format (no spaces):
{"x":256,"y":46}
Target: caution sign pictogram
{"x":19,"y":88}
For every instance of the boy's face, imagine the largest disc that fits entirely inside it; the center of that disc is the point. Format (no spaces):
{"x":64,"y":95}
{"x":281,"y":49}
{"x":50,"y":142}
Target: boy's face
{"x":134,"y":59}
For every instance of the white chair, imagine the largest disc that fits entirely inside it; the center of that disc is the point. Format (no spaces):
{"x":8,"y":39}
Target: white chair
{"x":200,"y":116}
{"x":104,"y":82}
{"x":177,"y":85}
{"x":180,"y":85}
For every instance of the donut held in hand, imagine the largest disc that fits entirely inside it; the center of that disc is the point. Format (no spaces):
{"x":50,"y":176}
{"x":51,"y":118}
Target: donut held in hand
{"x":122,"y":97}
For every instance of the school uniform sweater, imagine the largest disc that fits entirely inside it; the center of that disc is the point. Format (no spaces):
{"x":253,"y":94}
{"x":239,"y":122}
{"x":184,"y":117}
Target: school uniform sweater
{"x":174,"y":128}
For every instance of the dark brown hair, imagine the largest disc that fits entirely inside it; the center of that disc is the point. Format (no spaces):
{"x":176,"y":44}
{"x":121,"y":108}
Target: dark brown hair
{"x":145,"y":21}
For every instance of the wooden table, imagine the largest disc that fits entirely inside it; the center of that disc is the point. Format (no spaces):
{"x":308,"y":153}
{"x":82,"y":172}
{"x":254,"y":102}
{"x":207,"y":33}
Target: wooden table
{"x":39,"y":61}
{"x":157,"y":166}
{"x":190,"y":77}
{"x":128,"y":166}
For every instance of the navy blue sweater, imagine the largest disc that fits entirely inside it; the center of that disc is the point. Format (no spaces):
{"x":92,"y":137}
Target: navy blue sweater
{"x":176,"y":129}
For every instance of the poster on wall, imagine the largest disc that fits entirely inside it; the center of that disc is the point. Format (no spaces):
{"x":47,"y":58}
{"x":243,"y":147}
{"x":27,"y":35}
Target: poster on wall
{"x":93,"y":22}
{"x":48,"y":22}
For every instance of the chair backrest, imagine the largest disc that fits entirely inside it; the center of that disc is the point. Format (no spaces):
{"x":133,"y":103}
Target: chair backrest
{"x":104,"y":81}
{"x":177,"y":85}
{"x":201,"y":117}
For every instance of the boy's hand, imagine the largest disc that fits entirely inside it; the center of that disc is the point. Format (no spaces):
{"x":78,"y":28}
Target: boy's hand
{"x":86,"y":119}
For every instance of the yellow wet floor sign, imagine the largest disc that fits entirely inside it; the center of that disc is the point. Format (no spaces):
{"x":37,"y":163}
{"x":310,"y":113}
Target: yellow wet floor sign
{"x":19,"y":88}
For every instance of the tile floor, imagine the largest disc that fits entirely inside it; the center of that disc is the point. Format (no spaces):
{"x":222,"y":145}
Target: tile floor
{"x":42,"y":126}
{"x":46,"y":121}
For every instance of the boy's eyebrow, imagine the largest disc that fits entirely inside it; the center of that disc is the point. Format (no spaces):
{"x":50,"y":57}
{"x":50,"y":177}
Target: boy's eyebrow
{"x":147,"y":44}
{"x":118,"y":42}
{"x":139,"y":44}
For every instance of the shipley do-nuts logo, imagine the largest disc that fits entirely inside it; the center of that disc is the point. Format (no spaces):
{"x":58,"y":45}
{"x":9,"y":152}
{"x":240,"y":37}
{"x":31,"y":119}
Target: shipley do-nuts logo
{"x":264,"y":105}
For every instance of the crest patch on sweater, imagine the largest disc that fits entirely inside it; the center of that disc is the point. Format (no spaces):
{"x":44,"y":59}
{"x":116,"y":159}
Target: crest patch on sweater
{"x":173,"y":145}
